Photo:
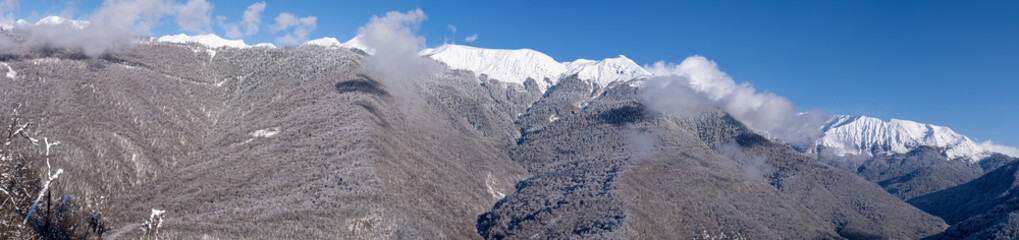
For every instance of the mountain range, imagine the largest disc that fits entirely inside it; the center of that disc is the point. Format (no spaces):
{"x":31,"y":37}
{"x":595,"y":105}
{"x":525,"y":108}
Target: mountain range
{"x":256,"y":141}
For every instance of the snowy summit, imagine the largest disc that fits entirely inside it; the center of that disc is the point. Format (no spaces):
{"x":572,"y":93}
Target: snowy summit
{"x":514,"y":66}
{"x":867,"y":136}
{"x":324,"y":42}
{"x":606,"y":71}
{"x":209,"y":40}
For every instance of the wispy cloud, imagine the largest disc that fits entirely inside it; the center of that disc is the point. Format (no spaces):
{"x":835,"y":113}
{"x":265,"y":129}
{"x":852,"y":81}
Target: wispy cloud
{"x":250,"y":23}
{"x":232,"y":30}
{"x":755,"y":166}
{"x":302,"y":28}
{"x":194,"y":16}
{"x":8,"y":5}
{"x":696,"y":84}
{"x":1007,"y":150}
{"x":252,"y":18}
{"x":471,"y":38}
{"x":452,"y":29}
{"x":6,"y":17}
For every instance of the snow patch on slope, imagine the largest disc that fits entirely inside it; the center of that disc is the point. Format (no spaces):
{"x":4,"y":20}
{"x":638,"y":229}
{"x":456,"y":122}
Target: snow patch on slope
{"x":265,"y":133}
{"x":867,"y":136}
{"x":490,"y":182}
{"x":10,"y":71}
{"x":513,"y":66}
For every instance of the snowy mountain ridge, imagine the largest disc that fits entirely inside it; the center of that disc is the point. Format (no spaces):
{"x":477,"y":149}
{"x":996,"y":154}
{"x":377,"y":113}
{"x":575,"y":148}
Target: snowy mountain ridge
{"x":511,"y":66}
{"x":324,"y":42}
{"x":844,"y":135}
{"x":607,"y":71}
{"x":329,"y":42}
{"x":515,"y":66}
{"x":868,"y":136}
{"x":209,"y":40}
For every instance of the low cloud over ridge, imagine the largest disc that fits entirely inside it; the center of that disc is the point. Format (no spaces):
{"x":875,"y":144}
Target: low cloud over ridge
{"x":118,"y":24}
{"x":395,"y":42}
{"x":114,"y":26}
{"x":696,"y":85}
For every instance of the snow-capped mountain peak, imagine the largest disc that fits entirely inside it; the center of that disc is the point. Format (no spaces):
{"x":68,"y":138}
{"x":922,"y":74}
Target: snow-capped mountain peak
{"x":324,"y":42}
{"x":606,"y":71}
{"x":209,"y":40}
{"x":517,"y":65}
{"x":356,"y":43}
{"x":514,"y":66}
{"x":867,"y":136}
{"x":329,"y":42}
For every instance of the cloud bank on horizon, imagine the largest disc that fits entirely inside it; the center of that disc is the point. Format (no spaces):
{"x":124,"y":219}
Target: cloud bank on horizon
{"x":113,"y":26}
{"x":118,"y":23}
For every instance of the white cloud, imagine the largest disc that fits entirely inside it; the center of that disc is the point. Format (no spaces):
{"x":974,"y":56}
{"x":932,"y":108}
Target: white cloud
{"x":755,"y":166}
{"x":696,"y":84}
{"x":396,"y":45}
{"x":252,"y":18}
{"x":1007,"y":150}
{"x":302,"y":28}
{"x":471,"y":38}
{"x":250,"y":23}
{"x":8,"y":5}
{"x":194,"y":16}
{"x":232,"y":30}
{"x":6,"y":18}
{"x":114,"y":26}
{"x":283,"y":21}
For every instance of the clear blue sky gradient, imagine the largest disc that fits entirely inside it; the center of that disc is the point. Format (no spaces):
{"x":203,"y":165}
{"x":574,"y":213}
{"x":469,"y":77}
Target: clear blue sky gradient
{"x":951,"y":63}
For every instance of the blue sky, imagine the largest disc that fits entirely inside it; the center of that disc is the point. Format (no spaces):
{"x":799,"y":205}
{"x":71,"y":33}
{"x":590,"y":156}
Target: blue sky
{"x":951,"y":63}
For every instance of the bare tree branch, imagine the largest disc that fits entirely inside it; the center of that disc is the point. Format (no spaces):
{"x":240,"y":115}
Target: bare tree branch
{"x":51,"y":177}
